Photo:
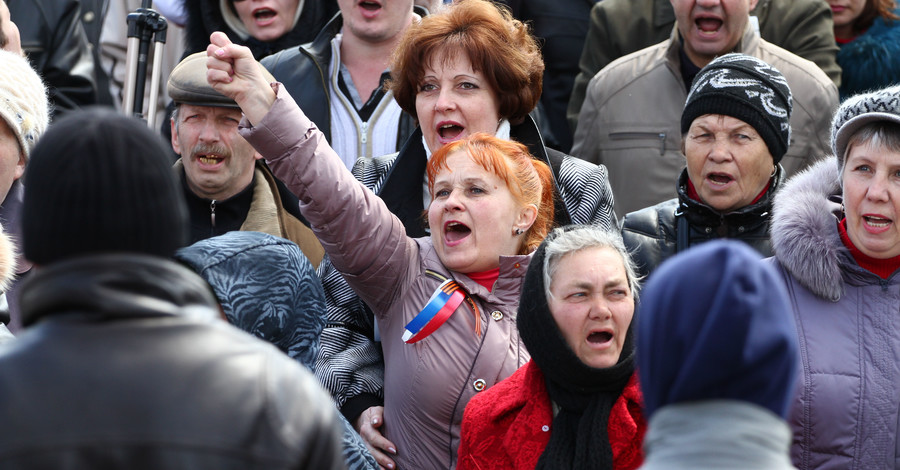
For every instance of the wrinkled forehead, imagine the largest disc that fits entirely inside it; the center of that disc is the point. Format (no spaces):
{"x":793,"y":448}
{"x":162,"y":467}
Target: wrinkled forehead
{"x":187,"y":109}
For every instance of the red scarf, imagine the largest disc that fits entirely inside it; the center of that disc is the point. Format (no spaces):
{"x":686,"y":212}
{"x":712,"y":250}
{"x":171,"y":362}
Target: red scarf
{"x":882,"y":268}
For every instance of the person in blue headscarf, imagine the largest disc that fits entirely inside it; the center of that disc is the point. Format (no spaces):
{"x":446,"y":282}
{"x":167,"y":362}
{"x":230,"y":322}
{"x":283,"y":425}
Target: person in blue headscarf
{"x":717,"y":359}
{"x":267,"y":287}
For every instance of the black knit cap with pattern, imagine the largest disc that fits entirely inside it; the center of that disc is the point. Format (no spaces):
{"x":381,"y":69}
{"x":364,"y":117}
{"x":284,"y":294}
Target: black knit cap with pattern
{"x":744,"y":88}
{"x":101,"y":182}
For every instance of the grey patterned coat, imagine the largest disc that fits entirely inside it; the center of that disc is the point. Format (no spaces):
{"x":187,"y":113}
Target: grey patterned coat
{"x":350,"y":363}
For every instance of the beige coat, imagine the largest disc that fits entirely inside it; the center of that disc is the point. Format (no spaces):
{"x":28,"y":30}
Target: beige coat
{"x":429,"y":383}
{"x":631,"y":118}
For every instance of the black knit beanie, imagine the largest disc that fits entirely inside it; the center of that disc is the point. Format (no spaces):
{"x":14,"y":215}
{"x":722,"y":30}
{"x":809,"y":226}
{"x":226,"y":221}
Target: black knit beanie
{"x":745,"y":88}
{"x":97,"y":182}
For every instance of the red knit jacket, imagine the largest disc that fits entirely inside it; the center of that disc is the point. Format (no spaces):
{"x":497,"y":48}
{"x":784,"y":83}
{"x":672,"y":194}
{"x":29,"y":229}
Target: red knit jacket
{"x":508,"y":425}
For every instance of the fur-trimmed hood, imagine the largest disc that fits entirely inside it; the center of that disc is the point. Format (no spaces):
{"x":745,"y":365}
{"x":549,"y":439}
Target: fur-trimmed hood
{"x":804,"y":229}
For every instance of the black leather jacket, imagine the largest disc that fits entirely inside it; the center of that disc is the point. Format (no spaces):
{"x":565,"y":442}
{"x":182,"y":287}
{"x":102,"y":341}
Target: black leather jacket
{"x":124,"y":364}
{"x":303,"y":71}
{"x":655,"y":233}
{"x":57,"y":47}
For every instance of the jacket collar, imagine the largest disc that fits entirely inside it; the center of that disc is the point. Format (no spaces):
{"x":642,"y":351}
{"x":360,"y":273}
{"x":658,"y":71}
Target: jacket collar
{"x":695,"y":434}
{"x":744,"y":219}
{"x":114,"y":286}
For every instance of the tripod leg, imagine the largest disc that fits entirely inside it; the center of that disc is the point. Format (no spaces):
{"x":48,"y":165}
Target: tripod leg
{"x":154,"y":84}
{"x":130,"y":74}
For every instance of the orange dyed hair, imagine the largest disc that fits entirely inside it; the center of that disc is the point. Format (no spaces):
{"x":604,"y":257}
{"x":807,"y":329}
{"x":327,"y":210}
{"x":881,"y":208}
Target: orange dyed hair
{"x":497,"y":45}
{"x":528,"y":180}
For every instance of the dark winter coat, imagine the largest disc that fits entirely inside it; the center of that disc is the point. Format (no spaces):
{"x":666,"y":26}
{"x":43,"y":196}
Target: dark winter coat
{"x":267,"y":288}
{"x":653,"y":234}
{"x":124,"y":363}
{"x":55,"y":43}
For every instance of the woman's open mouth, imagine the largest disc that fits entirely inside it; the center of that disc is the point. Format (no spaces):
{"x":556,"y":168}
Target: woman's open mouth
{"x":455,"y":233}
{"x":264,"y":16}
{"x":719,"y":179}
{"x":876,"y":224}
{"x":449,"y":132}
{"x":599,"y":338}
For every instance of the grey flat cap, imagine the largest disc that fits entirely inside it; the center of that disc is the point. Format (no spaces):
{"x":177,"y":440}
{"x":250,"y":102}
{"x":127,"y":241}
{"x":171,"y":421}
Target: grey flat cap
{"x":187,"y":84}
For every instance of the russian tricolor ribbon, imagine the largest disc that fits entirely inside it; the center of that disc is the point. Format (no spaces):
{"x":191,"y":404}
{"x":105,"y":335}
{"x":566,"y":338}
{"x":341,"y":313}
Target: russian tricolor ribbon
{"x":445,"y":300}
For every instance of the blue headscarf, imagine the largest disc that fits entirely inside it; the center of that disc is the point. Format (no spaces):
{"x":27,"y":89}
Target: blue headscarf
{"x":266,"y":287}
{"x":715,"y":323}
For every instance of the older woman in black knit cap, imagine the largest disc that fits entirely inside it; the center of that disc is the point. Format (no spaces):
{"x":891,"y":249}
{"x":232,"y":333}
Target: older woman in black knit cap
{"x":576,"y":404}
{"x":736,"y":129}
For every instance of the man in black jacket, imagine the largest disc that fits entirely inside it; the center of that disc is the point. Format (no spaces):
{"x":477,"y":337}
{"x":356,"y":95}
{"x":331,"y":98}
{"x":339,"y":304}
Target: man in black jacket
{"x":338,"y":79}
{"x":54,"y":40}
{"x":125,"y":362}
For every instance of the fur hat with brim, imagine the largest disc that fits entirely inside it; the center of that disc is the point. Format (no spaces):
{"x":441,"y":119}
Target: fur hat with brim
{"x":23,"y":100}
{"x":859,"y":110}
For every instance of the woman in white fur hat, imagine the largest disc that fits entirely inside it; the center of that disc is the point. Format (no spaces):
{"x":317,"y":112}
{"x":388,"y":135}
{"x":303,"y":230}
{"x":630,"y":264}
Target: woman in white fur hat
{"x":841,"y":263}
{"x":24,"y":116}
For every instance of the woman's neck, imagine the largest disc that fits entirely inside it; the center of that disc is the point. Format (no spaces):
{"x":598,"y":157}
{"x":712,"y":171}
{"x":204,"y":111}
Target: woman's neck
{"x":486,"y":278}
{"x":882,"y":268}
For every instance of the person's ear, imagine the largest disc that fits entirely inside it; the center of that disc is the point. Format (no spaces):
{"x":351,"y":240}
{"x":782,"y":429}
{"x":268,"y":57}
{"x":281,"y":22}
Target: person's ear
{"x":175,"y":145}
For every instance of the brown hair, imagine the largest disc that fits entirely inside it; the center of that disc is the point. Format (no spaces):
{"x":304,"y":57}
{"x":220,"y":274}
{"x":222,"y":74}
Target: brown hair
{"x":528,"y":180}
{"x":497,"y":45}
{"x":872,"y":10}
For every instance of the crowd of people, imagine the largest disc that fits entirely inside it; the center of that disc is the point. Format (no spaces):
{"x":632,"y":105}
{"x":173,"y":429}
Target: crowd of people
{"x":404,"y":234}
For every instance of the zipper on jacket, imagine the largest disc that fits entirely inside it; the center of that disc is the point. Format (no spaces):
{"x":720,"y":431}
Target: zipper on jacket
{"x":642,"y":135}
{"x":212,"y":215}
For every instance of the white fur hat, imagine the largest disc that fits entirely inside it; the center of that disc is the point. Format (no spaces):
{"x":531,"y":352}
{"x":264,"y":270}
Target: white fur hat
{"x":23,"y":100}
{"x":859,"y":110}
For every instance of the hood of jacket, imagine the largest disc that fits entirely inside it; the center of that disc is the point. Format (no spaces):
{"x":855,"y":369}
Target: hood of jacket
{"x":265,"y":286}
{"x":803,"y":230}
{"x":114,"y":286}
{"x":205,"y":16}
{"x":715,"y":323}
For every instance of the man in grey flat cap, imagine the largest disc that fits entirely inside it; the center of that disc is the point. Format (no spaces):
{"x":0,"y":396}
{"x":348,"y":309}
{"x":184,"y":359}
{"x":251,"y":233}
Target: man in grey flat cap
{"x":227,"y":185}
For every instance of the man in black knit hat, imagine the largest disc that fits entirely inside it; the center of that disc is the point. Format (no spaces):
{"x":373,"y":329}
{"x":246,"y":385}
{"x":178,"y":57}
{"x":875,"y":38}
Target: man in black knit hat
{"x":124,"y":361}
